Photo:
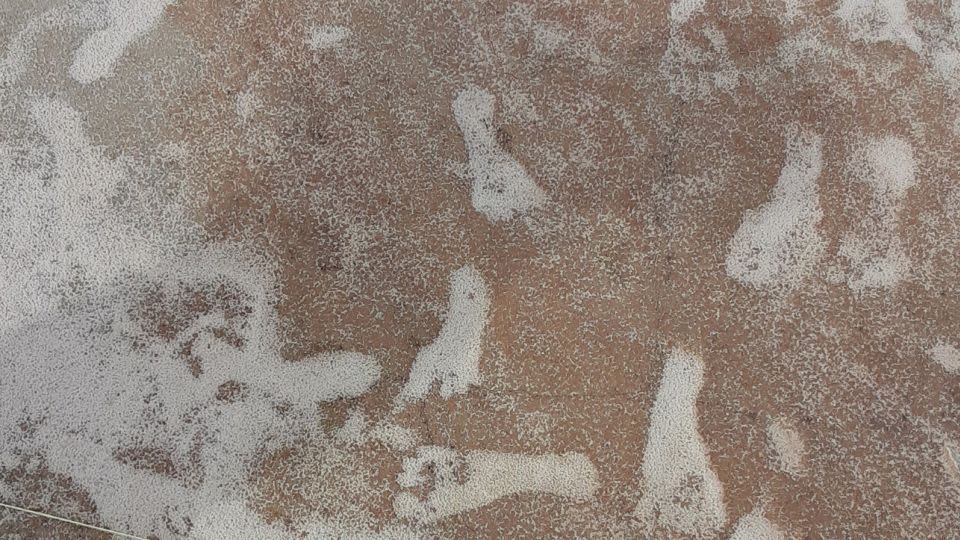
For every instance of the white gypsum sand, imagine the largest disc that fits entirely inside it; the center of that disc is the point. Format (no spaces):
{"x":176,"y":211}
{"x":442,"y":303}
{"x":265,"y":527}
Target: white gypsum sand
{"x":86,"y":180}
{"x":680,"y":492}
{"x":111,"y":390}
{"x":696,"y":67}
{"x":879,"y":20}
{"x":356,"y":429}
{"x":787,"y":447}
{"x":114,"y":393}
{"x":128,"y":20}
{"x":887,"y":165}
{"x":950,"y":458}
{"x":778,"y":243}
{"x":501,"y":188}
{"x":453,"y":359}
{"x":874,"y":252}
{"x":74,"y":211}
{"x":946,"y":355}
{"x":20,"y":47}
{"x":754,"y":526}
{"x":682,"y":10}
{"x":488,"y":476}
{"x":876,"y":263}
{"x":327,"y":37}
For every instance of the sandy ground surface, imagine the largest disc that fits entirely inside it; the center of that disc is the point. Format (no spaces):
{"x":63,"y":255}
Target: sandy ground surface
{"x":595,"y":270}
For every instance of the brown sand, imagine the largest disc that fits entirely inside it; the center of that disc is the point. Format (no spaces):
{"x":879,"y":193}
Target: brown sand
{"x":350,"y":175}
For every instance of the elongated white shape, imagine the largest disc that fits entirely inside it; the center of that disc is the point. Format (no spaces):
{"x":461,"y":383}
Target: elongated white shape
{"x":778,"y":243}
{"x":682,"y":10}
{"x":328,"y":37}
{"x":489,"y":476}
{"x":501,"y":189}
{"x":950,"y":458}
{"x":680,"y":490}
{"x":129,"y":20}
{"x":787,"y":446}
{"x":453,"y":358}
{"x":876,"y":255}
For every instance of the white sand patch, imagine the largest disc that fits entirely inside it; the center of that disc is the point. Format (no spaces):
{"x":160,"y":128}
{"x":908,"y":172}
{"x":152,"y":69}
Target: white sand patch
{"x":548,"y":38}
{"x":234,"y":520}
{"x":787,"y":445}
{"x":328,"y":37}
{"x":950,"y":457}
{"x":754,"y":526}
{"x":680,"y":490}
{"x":453,"y":359}
{"x":682,"y":10}
{"x":394,"y":436}
{"x":325,"y":377}
{"x":129,"y":20}
{"x":778,"y":243}
{"x":79,"y":201}
{"x":944,"y":49}
{"x":61,"y":200}
{"x":488,"y":476}
{"x":880,"y":20}
{"x":26,"y":213}
{"x":874,"y":268}
{"x":501,"y":188}
{"x":353,"y":429}
{"x":946,"y":62}
{"x":79,"y":164}
{"x":96,"y":386}
{"x":791,"y":9}
{"x":888,"y":166}
{"x":693,"y":70}
{"x":874,"y":251}
{"x":247,"y":105}
{"x":726,"y":77}
{"x":109,"y":386}
{"x":21,"y":46}
{"x":946,"y":355}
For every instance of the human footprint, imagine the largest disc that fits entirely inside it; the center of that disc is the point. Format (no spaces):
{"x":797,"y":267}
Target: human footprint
{"x":877,"y":258}
{"x":453,"y":359}
{"x":681,"y":492}
{"x":501,"y":187}
{"x":465,"y":481}
{"x":778,"y":244}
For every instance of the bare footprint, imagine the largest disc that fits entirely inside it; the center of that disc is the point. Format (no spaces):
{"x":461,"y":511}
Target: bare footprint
{"x":501,"y":187}
{"x":453,"y":359}
{"x":681,"y":492}
{"x":778,"y":244}
{"x":466,"y":481}
{"x":873,"y":249}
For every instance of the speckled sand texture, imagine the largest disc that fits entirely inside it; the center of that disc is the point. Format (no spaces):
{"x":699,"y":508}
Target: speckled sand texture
{"x":445,"y":269}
